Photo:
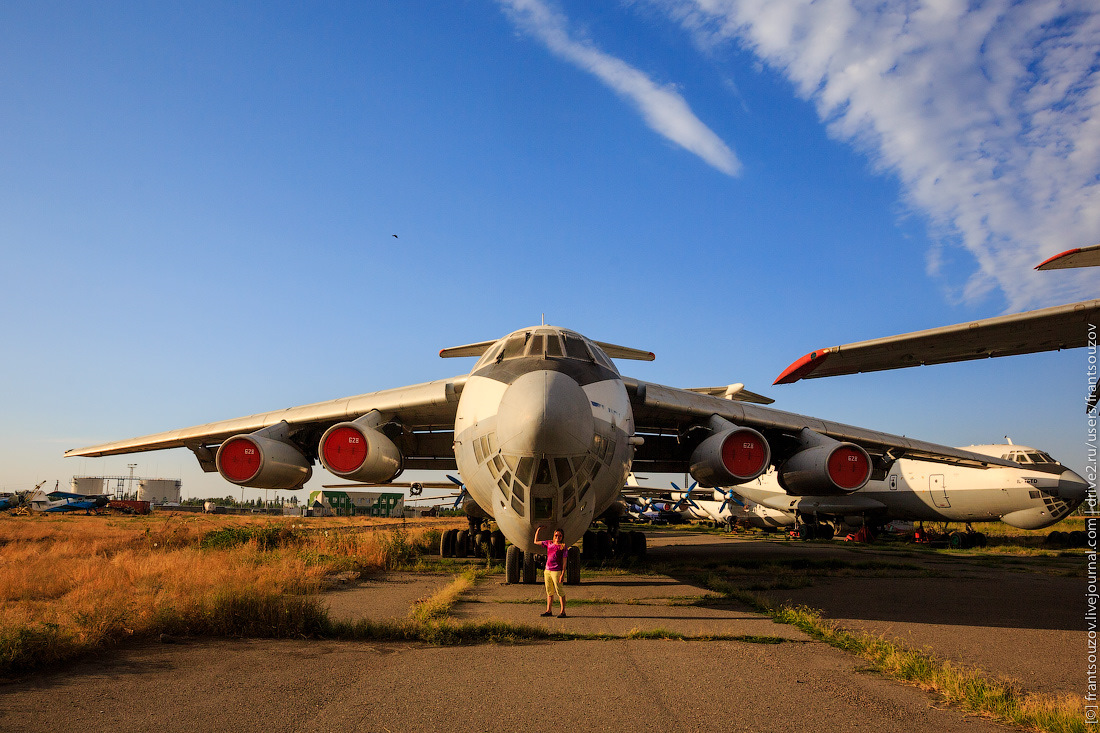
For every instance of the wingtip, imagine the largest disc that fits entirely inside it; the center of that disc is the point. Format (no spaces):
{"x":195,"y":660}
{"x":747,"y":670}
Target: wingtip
{"x":802,"y":367}
{"x":1045,"y":263}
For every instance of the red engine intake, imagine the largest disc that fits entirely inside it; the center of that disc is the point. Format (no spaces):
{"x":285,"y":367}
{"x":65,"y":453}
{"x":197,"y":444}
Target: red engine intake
{"x":730,"y":457}
{"x":260,"y":462}
{"x":831,"y":467}
{"x":359,"y":453}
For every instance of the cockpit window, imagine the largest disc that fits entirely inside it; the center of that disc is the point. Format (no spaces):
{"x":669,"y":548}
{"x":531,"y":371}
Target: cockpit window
{"x":513,"y":347}
{"x":536,"y":346}
{"x":575,"y":347}
{"x":1040,"y":457}
{"x":553,"y":345}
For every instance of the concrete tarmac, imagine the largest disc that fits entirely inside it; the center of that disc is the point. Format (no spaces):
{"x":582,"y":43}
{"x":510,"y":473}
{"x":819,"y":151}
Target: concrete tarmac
{"x":790,"y":684}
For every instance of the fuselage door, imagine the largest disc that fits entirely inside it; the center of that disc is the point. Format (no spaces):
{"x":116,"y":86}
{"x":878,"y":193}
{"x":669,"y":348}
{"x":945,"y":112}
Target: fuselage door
{"x":938,"y":489}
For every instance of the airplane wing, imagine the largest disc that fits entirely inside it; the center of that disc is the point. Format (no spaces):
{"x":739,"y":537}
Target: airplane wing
{"x":1080,"y":257}
{"x":1049,"y":329}
{"x":424,"y":414}
{"x":662,"y":415}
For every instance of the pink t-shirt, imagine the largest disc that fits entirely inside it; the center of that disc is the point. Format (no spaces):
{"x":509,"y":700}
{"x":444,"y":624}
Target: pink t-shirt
{"x":555,"y":554}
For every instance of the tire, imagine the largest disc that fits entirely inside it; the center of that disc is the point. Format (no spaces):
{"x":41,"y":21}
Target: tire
{"x":462,"y":543}
{"x":573,"y":566}
{"x":957,"y":541}
{"x":529,"y":568}
{"x":806,"y":532}
{"x":444,"y":545}
{"x":497,"y":545}
{"x":638,"y":545}
{"x":513,"y":565}
{"x":979,"y":539}
{"x":603,"y":546}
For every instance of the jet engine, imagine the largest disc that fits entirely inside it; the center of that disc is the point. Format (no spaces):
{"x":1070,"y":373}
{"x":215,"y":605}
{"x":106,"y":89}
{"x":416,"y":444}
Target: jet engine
{"x":356,"y":451}
{"x":824,"y":466}
{"x":729,"y":457}
{"x":265,"y":459}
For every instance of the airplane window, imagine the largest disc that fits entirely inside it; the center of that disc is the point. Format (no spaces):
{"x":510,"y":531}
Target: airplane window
{"x":519,"y":490}
{"x":506,"y":477}
{"x":543,"y":476}
{"x":517,"y":505}
{"x":498,"y":463}
{"x":514,"y":347}
{"x":1040,"y":457}
{"x":492,"y":443}
{"x":536,"y":347}
{"x":511,"y":460}
{"x":564,"y":470}
{"x":1021,"y":458}
{"x":584,"y":489}
{"x":479,"y":452}
{"x":568,"y":505}
{"x":504,"y":488}
{"x":542,"y":509}
{"x":553,"y":345}
{"x":601,"y":358}
{"x":525,"y":471}
{"x":575,"y":348}
{"x":489,"y":356}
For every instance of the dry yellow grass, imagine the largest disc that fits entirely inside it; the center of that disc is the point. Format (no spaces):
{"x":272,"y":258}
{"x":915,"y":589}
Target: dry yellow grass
{"x":82,"y":581}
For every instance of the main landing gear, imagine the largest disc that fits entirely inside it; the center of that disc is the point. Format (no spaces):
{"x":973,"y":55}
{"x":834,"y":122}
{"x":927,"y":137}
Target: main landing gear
{"x":477,"y":541}
{"x":521,"y":567}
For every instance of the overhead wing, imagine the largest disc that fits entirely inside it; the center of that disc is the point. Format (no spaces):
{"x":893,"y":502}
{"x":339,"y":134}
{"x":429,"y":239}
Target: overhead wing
{"x":1080,"y":257}
{"x":423,"y":415}
{"x":734,"y":392}
{"x":1049,"y":329}
{"x":663,"y":416}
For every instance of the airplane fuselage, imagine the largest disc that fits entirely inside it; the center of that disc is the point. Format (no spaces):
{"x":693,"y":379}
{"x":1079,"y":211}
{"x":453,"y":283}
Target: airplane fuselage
{"x":542,"y":434}
{"x":916,"y":490}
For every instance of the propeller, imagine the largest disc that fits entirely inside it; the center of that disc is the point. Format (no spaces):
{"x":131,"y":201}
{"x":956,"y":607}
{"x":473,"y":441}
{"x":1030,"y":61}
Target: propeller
{"x":462,"y":490}
{"x":730,"y":498}
{"x":685,"y":498}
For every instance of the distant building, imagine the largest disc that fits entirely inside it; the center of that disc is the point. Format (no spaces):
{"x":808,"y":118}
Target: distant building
{"x":357,"y":503}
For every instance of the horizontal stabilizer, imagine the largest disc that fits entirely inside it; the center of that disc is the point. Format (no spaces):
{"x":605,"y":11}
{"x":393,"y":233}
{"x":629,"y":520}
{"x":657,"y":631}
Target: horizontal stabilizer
{"x":734,"y":392}
{"x":468,"y":350}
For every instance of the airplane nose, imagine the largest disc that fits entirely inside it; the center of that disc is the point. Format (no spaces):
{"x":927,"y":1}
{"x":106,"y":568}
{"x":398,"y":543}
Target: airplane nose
{"x":1072,"y":487}
{"x":545,"y":412}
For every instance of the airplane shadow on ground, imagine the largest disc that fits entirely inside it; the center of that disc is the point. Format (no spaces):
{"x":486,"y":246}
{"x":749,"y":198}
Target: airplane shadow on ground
{"x":958,"y":594}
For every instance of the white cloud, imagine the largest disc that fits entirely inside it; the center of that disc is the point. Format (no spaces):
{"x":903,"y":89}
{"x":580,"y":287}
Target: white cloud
{"x":986,"y":111}
{"x":662,"y":108}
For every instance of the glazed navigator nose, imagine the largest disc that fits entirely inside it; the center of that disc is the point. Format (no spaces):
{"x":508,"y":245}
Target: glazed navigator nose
{"x":545,"y":412}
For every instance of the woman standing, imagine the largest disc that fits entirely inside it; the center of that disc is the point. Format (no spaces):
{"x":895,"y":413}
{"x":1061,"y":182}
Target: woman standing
{"x":556,"y":556}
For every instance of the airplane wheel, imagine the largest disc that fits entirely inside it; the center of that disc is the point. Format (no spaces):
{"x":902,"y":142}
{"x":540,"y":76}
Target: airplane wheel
{"x":603,"y":546}
{"x":529,"y":568}
{"x":638,"y":545}
{"x":823,"y":531}
{"x":496,"y":541}
{"x":978,"y":539}
{"x":447,"y":543}
{"x":513,"y":565}
{"x":957,"y":541}
{"x":462,"y":543}
{"x":806,"y":532}
{"x":573,"y":567}
{"x":481,"y":543}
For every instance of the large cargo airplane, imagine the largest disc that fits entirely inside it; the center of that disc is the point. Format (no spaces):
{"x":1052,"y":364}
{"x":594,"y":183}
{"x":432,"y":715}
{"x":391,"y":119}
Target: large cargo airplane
{"x":544,"y":430}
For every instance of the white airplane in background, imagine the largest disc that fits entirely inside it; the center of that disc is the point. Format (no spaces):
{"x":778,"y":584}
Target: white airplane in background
{"x":544,"y":431}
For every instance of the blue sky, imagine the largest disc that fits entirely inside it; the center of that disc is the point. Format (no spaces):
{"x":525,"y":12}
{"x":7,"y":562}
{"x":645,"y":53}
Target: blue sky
{"x":198,"y":204}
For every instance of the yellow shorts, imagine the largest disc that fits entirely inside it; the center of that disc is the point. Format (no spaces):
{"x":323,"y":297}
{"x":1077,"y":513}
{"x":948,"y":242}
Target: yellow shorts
{"x":552,"y":579}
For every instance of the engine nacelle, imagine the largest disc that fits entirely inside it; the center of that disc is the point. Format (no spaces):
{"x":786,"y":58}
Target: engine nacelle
{"x":730,"y":457}
{"x":357,"y":452}
{"x":826,"y":467}
{"x":261,"y":462}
